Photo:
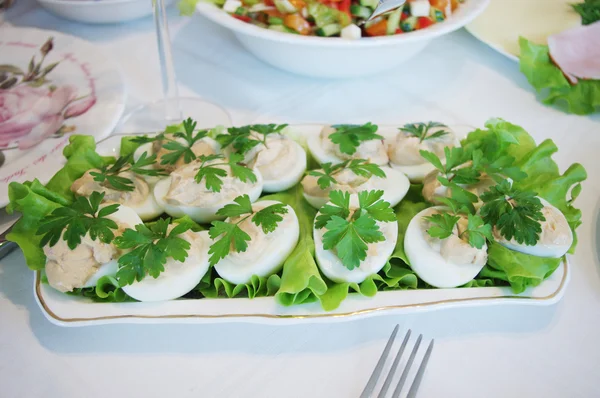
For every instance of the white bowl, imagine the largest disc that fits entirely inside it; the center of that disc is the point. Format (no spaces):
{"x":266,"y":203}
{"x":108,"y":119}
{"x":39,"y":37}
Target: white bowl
{"x":100,"y":11}
{"x":334,"y":57}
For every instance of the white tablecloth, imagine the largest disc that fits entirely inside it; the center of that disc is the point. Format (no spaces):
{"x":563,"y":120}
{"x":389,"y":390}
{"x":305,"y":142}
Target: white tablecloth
{"x":500,"y":351}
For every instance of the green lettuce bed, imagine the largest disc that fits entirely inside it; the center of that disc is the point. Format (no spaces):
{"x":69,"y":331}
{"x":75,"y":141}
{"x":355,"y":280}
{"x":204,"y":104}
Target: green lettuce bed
{"x":300,"y":280}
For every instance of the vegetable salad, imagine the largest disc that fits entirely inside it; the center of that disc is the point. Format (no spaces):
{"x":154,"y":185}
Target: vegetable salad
{"x":338,"y":18}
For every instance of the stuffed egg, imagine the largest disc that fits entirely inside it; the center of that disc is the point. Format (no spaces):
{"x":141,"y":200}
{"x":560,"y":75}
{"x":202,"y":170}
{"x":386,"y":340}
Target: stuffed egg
{"x":395,"y":186}
{"x":404,"y":149}
{"x":443,"y":263}
{"x":140,"y":199}
{"x":433,"y":188}
{"x":178,"y":278}
{"x":205,"y":146}
{"x":324,"y":150}
{"x":280,"y":160}
{"x":554,"y":241}
{"x":181,"y":195}
{"x":266,"y":252}
{"x":378,"y":253}
{"x":81,"y":267}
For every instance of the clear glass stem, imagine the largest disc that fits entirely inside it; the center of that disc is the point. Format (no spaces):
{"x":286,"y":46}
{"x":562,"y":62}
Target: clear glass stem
{"x":167,"y":68}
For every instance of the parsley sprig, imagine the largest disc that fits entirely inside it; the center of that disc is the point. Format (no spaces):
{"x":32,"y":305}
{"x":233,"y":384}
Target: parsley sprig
{"x":231,"y":236}
{"x":589,"y":11}
{"x":152,"y":245}
{"x":360,"y":167}
{"x":242,"y":140}
{"x":213,"y":175}
{"x":349,"y":231}
{"x":516,"y":214}
{"x":109,"y":174}
{"x":349,"y":136}
{"x":73,"y":222}
{"x":476,"y":233}
{"x":421,"y":130}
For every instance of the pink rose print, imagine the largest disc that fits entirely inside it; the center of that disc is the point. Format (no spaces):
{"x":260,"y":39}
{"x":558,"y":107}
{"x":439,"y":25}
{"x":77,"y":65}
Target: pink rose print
{"x":31,"y":114}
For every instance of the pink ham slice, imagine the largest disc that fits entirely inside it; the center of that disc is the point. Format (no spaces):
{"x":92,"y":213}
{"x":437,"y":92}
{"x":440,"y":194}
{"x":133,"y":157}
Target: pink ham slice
{"x":577,"y":52}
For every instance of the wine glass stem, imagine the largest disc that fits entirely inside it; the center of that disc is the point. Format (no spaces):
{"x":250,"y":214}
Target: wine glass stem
{"x":167,"y":68}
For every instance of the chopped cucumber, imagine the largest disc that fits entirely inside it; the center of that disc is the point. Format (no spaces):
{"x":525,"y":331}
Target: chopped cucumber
{"x":282,"y":29}
{"x":285,"y":6}
{"x":360,"y":11}
{"x":329,"y":30}
{"x":275,"y":21}
{"x":393,"y":22}
{"x":436,"y":14}
{"x":409,"y":24}
{"x":369,"y":3}
{"x":241,"y":11}
{"x":251,"y":2}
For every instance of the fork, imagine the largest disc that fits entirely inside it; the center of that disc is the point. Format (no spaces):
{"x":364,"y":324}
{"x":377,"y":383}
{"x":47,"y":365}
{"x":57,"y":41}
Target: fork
{"x":412,"y":392}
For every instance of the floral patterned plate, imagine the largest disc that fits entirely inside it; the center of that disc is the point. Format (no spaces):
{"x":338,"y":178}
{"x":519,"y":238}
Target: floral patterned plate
{"x":51,"y":85}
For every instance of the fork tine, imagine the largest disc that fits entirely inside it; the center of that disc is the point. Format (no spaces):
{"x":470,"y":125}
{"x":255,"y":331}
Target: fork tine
{"x":411,"y":359}
{"x":392,"y":372}
{"x":412,"y":393}
{"x":375,"y":375}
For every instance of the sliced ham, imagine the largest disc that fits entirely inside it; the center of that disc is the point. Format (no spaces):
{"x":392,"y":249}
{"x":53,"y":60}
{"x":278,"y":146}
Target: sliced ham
{"x":577,"y":52}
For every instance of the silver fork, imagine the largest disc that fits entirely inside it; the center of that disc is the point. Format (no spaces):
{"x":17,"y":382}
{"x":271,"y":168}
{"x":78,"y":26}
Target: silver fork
{"x":412,"y":392}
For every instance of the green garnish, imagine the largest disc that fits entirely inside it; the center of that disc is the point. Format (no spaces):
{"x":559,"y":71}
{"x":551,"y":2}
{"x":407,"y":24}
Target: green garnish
{"x":349,"y":136}
{"x":349,"y":231}
{"x":152,"y":245}
{"x":454,"y":169}
{"x":360,"y":167}
{"x":230,"y":233}
{"x":83,"y":216}
{"x":421,"y":130}
{"x":213,"y":175}
{"x":589,"y":11}
{"x":443,"y":226}
{"x":243,"y":141}
{"x":516,"y":214}
{"x":177,"y":149}
{"x":110,"y":174}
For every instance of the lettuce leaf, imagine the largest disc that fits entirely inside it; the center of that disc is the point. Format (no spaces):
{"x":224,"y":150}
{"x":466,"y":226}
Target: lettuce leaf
{"x":107,"y":290}
{"x":212,"y":286}
{"x":128,"y":146}
{"x":582,"y":98}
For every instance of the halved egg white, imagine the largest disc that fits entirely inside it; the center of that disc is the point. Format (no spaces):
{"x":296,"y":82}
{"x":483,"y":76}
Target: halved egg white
{"x":293,"y":175}
{"x":554,"y":248}
{"x":199,"y":213}
{"x":428,"y":263}
{"x":149,"y":208}
{"x":320,"y":154}
{"x":178,"y":278}
{"x":377,"y":255}
{"x":395,"y":186}
{"x":264,"y":260}
{"x":124,"y":216}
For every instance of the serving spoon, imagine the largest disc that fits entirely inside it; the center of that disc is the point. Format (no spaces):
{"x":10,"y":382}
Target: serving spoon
{"x":384,"y":6}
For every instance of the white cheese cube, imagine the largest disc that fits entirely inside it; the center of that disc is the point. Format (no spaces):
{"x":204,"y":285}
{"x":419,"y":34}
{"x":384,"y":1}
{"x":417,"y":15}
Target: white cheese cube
{"x":231,"y":5}
{"x":351,"y":32}
{"x":420,"y":8}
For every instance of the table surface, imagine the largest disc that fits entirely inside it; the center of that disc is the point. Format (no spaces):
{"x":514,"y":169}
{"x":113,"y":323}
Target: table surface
{"x":497,"y":351}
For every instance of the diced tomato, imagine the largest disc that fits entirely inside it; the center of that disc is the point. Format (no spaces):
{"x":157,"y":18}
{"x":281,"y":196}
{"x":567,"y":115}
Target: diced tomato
{"x":378,"y":29}
{"x":297,"y":23}
{"x":423,"y":22}
{"x":269,"y":3}
{"x":243,"y":18}
{"x":345,"y":6}
{"x":404,"y":16}
{"x":399,"y":31}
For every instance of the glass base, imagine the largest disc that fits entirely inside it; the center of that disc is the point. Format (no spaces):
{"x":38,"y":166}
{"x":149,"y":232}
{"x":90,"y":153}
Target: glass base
{"x":154,"y":117}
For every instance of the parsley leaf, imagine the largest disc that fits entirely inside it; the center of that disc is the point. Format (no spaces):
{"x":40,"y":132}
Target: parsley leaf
{"x":589,"y":11}
{"x":231,"y":235}
{"x":81,"y":217}
{"x":421,"y":130}
{"x":360,"y":167}
{"x":151,"y":246}
{"x":177,"y":149}
{"x":443,"y":225}
{"x":110,"y":175}
{"x":349,"y":231}
{"x":349,"y":136}
{"x":213,"y":175}
{"x":477,"y":231}
{"x":516,"y":214}
{"x":242,"y":140}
